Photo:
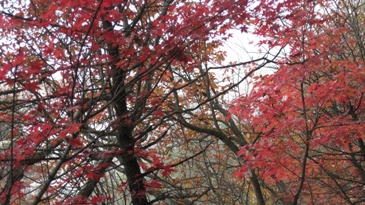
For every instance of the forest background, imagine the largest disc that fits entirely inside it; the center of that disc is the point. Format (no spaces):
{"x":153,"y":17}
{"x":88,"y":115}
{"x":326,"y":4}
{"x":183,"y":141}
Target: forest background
{"x":130,"y":102}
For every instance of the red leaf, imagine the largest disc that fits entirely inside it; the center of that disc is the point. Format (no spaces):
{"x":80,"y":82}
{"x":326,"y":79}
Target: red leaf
{"x":167,"y":171}
{"x":75,"y":142}
{"x":159,"y":113}
{"x":228,"y":117}
{"x":94,"y":176}
{"x":241,"y":173}
{"x":31,"y":86}
{"x":70,"y":129}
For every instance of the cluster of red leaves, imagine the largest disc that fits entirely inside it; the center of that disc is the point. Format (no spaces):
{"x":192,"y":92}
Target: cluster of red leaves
{"x":309,"y":114}
{"x":86,"y":77}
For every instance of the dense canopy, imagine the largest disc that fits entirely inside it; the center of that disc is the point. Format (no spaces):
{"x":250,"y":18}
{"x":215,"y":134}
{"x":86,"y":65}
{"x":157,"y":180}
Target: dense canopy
{"x":128,"y":102}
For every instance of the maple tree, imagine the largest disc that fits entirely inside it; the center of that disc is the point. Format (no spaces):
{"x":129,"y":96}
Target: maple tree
{"x":307,"y":117}
{"x":90,"y":89}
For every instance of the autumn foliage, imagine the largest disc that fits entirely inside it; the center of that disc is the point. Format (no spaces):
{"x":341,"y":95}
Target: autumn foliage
{"x":88,"y":92}
{"x":308,"y":115}
{"x":125,"y":102}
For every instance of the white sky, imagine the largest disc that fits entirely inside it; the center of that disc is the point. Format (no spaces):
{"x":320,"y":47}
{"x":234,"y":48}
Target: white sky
{"x":242,"y":47}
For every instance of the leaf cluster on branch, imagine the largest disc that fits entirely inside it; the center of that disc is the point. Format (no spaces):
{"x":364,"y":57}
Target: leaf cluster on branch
{"x":91,"y":92}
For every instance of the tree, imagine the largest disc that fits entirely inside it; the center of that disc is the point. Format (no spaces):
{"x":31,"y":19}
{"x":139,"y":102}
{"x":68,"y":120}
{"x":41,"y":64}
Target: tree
{"x":93,"y":87}
{"x":307,"y":116}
